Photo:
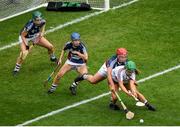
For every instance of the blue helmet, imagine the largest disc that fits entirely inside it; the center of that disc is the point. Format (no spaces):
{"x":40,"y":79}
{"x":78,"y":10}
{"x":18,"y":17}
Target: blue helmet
{"x":75,"y":36}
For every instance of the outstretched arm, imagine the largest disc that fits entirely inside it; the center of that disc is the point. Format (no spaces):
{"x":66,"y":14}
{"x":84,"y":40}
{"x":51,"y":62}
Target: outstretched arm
{"x":109,"y":77}
{"x":133,"y":87}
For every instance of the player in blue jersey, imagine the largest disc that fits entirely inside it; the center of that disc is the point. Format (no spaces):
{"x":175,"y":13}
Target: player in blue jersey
{"x":120,"y":59}
{"x":77,"y":57}
{"x":33,"y":32}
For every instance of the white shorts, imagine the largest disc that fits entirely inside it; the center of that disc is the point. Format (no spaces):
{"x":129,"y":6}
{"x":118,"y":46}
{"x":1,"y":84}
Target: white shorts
{"x":103,"y":70}
{"x":74,"y":65}
{"x":33,"y":39}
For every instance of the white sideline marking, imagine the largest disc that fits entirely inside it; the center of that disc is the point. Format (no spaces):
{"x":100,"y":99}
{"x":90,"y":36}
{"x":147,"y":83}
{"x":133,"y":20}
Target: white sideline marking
{"x":160,"y":73}
{"x":94,"y":98}
{"x":9,"y":46}
{"x":72,"y":22}
{"x":63,"y":109}
{"x":57,"y":28}
{"x":124,"y":4}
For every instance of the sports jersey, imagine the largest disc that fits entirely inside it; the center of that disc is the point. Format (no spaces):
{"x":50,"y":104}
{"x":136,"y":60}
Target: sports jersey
{"x":113,"y":62}
{"x":32,"y":29}
{"x":74,"y":57}
{"x":119,"y":74}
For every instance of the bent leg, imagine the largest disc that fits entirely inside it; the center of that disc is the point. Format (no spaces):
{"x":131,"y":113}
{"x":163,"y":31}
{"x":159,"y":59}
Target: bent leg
{"x":22,"y":56}
{"x":82,"y":70}
{"x":113,"y":101}
{"x":64,"y":69}
{"x":141,"y":97}
{"x":46,"y":44}
{"x":94,"y":79}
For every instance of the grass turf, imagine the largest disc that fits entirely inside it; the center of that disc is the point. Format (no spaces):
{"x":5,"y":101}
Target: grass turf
{"x":148,"y":29}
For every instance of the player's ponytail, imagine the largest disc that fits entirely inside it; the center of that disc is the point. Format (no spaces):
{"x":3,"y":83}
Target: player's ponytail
{"x":137,"y":71}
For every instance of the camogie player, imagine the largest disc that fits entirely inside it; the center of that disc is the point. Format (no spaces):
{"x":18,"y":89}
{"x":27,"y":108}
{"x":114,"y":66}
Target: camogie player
{"x":77,"y":58}
{"x":33,"y":31}
{"x":124,"y":77}
{"x":120,"y":59}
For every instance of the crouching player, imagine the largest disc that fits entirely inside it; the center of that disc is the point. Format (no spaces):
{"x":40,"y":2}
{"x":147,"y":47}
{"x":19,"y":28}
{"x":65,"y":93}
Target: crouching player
{"x":33,"y":31}
{"x":77,"y":58}
{"x":124,"y":77}
{"x":119,"y":59}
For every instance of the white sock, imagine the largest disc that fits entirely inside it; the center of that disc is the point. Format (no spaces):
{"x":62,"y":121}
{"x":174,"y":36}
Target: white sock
{"x":17,"y":67}
{"x":145,"y":101}
{"x":74,"y":84}
{"x":85,"y":76}
{"x":53,"y":87}
{"x":52,"y":56}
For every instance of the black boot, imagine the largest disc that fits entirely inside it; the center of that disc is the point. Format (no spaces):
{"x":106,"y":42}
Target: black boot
{"x":73,"y":89}
{"x":15,"y":73}
{"x":53,"y":58}
{"x":113,"y":106}
{"x":150,"y":107}
{"x":50,"y":91}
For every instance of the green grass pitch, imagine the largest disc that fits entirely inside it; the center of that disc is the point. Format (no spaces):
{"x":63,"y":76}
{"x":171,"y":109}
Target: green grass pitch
{"x":149,"y":29}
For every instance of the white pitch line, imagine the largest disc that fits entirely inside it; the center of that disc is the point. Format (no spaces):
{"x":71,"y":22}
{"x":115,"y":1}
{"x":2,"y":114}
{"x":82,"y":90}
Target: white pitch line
{"x":124,"y":4}
{"x":94,"y":98}
{"x":160,"y":73}
{"x":72,"y":22}
{"x":58,"y":27}
{"x":9,"y":46}
{"x":63,"y":109}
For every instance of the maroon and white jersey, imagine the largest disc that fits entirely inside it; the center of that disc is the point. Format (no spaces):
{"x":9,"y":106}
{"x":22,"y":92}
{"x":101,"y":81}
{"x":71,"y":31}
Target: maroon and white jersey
{"x":119,"y":74}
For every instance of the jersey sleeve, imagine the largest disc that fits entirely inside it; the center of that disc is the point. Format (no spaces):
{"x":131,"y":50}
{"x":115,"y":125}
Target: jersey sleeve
{"x":66,"y":46}
{"x":84,"y":48}
{"x":133,"y":76}
{"x":110,"y":63}
{"x":43,"y":22}
{"x":28,"y":26}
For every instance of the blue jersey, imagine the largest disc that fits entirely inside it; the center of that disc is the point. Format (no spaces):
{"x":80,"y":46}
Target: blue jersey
{"x":74,"y":57}
{"x":31,"y":28}
{"x":113,"y":62}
